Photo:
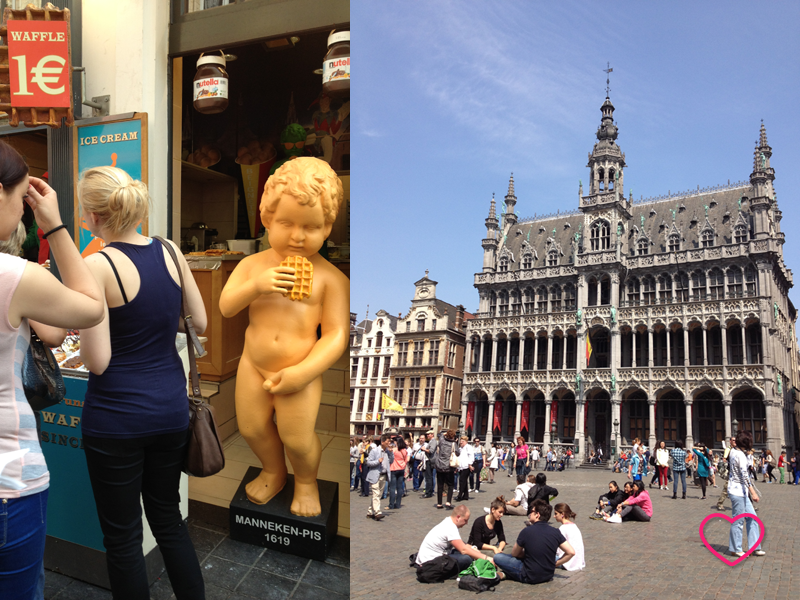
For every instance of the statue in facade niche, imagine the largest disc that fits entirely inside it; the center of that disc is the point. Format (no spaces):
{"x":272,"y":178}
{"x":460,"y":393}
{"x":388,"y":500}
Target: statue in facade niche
{"x":613,"y":314}
{"x":613,"y":383}
{"x":578,"y":317}
{"x":279,"y":381}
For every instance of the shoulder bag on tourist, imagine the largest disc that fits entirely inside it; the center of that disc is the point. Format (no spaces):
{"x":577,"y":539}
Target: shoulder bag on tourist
{"x":204,"y":454}
{"x":453,"y":457}
{"x":41,"y":377}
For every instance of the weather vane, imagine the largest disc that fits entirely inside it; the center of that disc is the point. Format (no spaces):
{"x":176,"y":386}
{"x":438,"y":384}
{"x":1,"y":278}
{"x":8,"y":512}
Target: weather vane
{"x":608,"y":70}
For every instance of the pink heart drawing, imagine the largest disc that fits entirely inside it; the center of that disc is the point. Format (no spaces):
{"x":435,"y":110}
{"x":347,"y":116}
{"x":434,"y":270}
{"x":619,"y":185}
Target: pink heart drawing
{"x":731,"y":520}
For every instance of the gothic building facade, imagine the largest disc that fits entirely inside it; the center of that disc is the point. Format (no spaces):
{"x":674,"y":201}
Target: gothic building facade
{"x":663,"y":319}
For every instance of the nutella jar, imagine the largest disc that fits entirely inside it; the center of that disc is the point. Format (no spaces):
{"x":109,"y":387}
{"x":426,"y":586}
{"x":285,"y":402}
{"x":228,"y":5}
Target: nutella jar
{"x":210,"y":86}
{"x":336,"y":66}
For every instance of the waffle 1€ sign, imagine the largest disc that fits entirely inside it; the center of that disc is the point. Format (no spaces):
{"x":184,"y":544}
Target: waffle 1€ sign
{"x":39,"y":63}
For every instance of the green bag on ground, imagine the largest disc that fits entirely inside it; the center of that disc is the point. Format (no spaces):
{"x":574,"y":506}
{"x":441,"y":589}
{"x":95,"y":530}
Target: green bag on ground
{"x":481,"y":568}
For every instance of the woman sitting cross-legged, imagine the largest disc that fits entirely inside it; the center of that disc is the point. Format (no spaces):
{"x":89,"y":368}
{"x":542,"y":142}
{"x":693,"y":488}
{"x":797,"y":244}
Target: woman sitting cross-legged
{"x":485,"y":529}
{"x":638,"y":506}
{"x":607,"y":503}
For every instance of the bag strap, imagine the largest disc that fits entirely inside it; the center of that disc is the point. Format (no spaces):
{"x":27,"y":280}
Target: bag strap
{"x":191,"y":336}
{"x":116,"y":274}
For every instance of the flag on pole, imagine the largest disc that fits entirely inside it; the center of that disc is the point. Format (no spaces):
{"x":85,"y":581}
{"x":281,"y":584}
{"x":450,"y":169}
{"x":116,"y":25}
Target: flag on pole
{"x":389,"y":404}
{"x":470,"y":415}
{"x":498,"y":416}
{"x":588,"y":348}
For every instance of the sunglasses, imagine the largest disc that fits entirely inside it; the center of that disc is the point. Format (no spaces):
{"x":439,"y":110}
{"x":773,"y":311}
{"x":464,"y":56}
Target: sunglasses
{"x":290,"y":145}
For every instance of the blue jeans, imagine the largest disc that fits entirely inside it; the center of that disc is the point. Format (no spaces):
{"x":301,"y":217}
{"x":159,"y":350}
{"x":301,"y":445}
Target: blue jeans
{"x":520,"y":467}
{"x":679,"y":475}
{"x":741,"y":504}
{"x":417,"y":475}
{"x":396,"y":488}
{"x":23,"y":521}
{"x":511,"y":566}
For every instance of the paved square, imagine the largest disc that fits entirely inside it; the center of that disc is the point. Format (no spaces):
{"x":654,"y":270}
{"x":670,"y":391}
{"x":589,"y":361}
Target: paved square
{"x":662,"y":559}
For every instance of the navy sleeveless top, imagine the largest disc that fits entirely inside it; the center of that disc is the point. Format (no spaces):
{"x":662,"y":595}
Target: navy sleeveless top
{"x":143,"y":390}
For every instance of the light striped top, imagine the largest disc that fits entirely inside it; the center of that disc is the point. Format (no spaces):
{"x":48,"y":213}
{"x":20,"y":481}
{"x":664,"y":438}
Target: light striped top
{"x":23,"y":470}
{"x":738,"y":477}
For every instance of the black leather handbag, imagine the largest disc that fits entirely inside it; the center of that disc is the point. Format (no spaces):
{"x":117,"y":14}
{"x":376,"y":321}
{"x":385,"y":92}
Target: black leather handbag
{"x":41,"y":377}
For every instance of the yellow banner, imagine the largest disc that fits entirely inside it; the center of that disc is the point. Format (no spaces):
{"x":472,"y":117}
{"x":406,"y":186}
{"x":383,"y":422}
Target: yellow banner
{"x":389,"y":404}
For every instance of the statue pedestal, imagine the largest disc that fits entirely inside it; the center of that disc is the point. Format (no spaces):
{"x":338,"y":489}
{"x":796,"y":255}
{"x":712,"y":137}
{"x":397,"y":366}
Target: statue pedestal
{"x":272,"y":525}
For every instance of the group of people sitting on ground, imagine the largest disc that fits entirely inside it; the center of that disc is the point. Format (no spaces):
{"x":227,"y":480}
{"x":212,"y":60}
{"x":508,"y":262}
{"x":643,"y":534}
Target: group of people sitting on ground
{"x":530,"y":488}
{"x":537,"y":552}
{"x":632,"y":503}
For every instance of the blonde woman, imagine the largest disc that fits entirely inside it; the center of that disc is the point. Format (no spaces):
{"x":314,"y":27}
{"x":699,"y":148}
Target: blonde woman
{"x":135,"y":417}
{"x":29,"y":292}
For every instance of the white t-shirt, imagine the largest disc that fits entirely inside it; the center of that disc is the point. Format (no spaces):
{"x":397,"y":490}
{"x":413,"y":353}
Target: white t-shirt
{"x":535,"y":454}
{"x":466,"y":458}
{"x":521,"y":494}
{"x":574,"y":537}
{"x":437,"y":542}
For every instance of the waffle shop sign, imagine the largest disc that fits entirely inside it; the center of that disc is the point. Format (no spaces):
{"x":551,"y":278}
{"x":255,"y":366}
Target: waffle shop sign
{"x":39,"y":63}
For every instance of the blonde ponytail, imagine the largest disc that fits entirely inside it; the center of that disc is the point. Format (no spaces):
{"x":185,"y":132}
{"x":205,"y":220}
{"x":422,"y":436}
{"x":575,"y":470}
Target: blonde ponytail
{"x":119,"y":200}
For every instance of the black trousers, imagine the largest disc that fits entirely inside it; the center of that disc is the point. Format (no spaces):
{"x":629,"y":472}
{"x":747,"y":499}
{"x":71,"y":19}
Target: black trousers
{"x":123,"y":470}
{"x":463,"y":484}
{"x":444,"y":479}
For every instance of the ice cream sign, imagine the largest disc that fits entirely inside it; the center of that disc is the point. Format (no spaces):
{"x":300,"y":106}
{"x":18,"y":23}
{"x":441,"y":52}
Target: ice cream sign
{"x":39,"y":63}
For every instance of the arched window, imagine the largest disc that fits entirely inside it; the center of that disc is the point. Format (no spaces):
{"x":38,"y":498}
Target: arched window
{"x":750,"y":282}
{"x":503,"y":264}
{"x":633,"y":292}
{"x":503,"y":303}
{"x":698,"y":285}
{"x":611,"y":179}
{"x":681,"y":287}
{"x":541,"y":300}
{"x":674,"y":242}
{"x":605,"y":290}
{"x":493,"y":304}
{"x":552,"y":258}
{"x":527,"y":261}
{"x":379,"y":339}
{"x":740,"y":234}
{"x":734,"y":282}
{"x":528,"y":301}
{"x":600,"y":179}
{"x":569,"y":297}
{"x":707,"y":238}
{"x":555,"y":298}
{"x":665,"y":288}
{"x":643,"y":246}
{"x":648,"y":290}
{"x":716,"y":284}
{"x":601,"y":235}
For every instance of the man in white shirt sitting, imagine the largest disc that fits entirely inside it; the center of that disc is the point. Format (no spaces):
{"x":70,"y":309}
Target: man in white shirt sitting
{"x":465,"y":460}
{"x":519,"y":505}
{"x":445,"y":539}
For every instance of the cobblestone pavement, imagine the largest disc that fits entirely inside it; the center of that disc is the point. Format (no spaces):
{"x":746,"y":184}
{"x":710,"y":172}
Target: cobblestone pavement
{"x":662,"y":559}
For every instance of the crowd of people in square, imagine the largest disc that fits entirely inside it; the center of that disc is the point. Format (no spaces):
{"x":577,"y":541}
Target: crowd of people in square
{"x":439,"y":465}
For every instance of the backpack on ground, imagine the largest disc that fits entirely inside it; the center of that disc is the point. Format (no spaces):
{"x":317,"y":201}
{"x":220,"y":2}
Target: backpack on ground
{"x":437,"y":570}
{"x":479,"y":576}
{"x":477,"y":584}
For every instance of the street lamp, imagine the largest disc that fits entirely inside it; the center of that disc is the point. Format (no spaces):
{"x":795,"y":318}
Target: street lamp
{"x":614,"y":438}
{"x":553,"y":428}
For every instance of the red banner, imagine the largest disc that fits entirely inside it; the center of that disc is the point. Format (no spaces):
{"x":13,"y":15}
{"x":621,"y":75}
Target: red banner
{"x":470,"y":415}
{"x":554,"y":412}
{"x":38,"y":62}
{"x":526,"y":411}
{"x":497,"y":423}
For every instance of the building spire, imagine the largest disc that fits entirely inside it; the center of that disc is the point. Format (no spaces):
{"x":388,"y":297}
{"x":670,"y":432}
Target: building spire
{"x":492,"y":209}
{"x":608,"y":70}
{"x":762,"y":138}
{"x":511,"y":187}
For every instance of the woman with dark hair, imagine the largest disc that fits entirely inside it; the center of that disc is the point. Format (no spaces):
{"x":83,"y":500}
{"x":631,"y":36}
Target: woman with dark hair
{"x":703,"y":466}
{"x":445,"y":448}
{"x":397,"y":473}
{"x":564,"y":515}
{"x":741,"y":491}
{"x":28,"y":291}
{"x":485,"y":529}
{"x":638,"y":506}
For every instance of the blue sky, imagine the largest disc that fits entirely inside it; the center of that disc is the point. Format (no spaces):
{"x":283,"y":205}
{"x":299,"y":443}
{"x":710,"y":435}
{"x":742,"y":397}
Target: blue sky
{"x":451,"y":97}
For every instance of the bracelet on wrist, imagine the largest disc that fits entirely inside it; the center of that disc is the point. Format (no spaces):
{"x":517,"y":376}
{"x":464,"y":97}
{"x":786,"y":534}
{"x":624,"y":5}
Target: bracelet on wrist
{"x":53,"y":230}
